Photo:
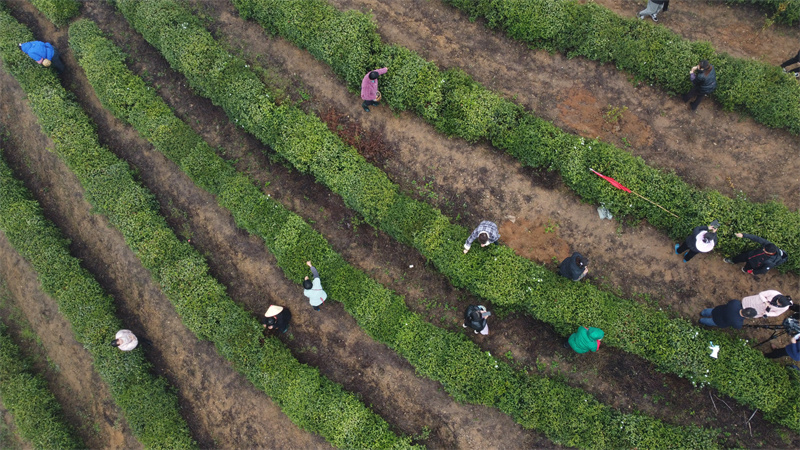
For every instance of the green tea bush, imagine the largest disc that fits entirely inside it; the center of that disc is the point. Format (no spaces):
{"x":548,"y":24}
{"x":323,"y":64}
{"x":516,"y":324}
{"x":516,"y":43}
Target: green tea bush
{"x":457,"y":105}
{"x":182,"y":273}
{"x":653,"y":54}
{"x":35,"y":411}
{"x":149,"y":405}
{"x":57,"y":11}
{"x":495,"y":274}
{"x":466,"y":372}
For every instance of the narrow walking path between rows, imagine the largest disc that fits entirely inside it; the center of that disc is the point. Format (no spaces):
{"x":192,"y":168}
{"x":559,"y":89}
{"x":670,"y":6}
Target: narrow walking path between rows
{"x":65,"y":364}
{"x":710,"y":149}
{"x":369,"y":256}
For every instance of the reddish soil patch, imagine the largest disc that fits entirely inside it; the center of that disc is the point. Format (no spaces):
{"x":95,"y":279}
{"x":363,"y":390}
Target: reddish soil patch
{"x":538,"y":242}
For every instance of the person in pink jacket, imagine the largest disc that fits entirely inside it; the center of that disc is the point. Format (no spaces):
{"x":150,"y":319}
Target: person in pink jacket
{"x":369,"y":88}
{"x":769,"y":303}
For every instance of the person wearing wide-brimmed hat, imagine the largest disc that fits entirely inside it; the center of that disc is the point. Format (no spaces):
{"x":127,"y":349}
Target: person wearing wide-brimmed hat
{"x":277,"y":317}
{"x":702,"y":240}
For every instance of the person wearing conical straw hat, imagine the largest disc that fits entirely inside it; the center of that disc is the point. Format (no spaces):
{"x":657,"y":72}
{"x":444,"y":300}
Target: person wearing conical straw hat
{"x":277,"y":318}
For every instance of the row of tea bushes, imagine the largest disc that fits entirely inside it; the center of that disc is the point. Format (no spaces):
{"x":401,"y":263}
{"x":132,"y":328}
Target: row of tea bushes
{"x":466,"y":372}
{"x":149,"y":405}
{"x":651,"y":53}
{"x":495,"y":273}
{"x":309,"y":399}
{"x":57,"y":11}
{"x":36,"y":412}
{"x":457,"y":105}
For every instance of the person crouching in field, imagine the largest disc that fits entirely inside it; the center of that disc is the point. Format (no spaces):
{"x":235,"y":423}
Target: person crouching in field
{"x":791,"y":62}
{"x":760,"y":260}
{"x":769,"y":303}
{"x":574,"y":267}
{"x":369,"y":88}
{"x":43,"y":53}
{"x":586,"y":339}
{"x":704,"y":82}
{"x":475,"y":318}
{"x":125,"y":340}
{"x":702,"y":240}
{"x":731,"y":314}
{"x":277,"y":317}
{"x":486,"y":233}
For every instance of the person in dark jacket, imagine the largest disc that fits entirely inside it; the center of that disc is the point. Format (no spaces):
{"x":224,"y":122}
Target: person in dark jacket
{"x":762,"y":259}
{"x":702,"y":240}
{"x":43,"y":53}
{"x":792,"y":61}
{"x":277,"y":317}
{"x":730,"y":314}
{"x":704,"y":82}
{"x":653,"y":8}
{"x":792,"y":350}
{"x":475,"y":318}
{"x":574,"y":267}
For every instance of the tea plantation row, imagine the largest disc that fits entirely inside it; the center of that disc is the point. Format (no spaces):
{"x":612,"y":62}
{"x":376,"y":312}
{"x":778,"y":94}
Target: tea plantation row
{"x":310,"y":400}
{"x":496,"y":274}
{"x":456,"y":105}
{"x":36,"y":412}
{"x":651,"y":53}
{"x":465,"y":371}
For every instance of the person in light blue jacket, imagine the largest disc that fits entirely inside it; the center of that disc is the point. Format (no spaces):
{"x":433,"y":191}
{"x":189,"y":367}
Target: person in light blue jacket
{"x":313,"y":289}
{"x":43,"y":53}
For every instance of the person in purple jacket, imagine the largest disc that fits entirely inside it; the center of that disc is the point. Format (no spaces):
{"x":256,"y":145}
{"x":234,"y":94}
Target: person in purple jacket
{"x":369,"y":88}
{"x":43,"y":53}
{"x":792,"y":350}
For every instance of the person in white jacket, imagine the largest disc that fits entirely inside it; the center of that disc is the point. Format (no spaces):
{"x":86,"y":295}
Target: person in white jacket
{"x":125,"y":340}
{"x":313,"y":289}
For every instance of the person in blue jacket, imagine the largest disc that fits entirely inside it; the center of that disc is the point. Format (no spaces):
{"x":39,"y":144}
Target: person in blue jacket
{"x":792,"y":350}
{"x":43,"y":53}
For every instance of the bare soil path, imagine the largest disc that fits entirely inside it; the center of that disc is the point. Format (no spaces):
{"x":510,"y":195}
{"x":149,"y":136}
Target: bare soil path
{"x":222,"y":408}
{"x":709,"y":149}
{"x":65,"y":364}
{"x":617,"y":379}
{"x":331,"y":340}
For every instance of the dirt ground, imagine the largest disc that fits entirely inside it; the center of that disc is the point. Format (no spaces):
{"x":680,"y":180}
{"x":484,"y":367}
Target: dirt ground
{"x":539,"y":218}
